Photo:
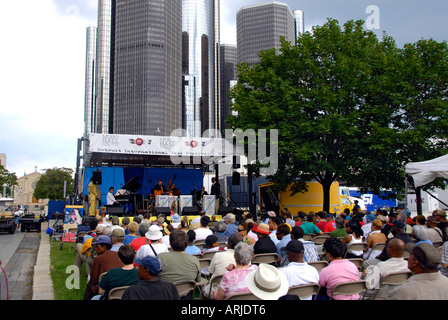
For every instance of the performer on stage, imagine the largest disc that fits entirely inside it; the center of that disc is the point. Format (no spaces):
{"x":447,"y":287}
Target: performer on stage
{"x":110,"y":200}
{"x":159,"y":189}
{"x":169,"y":187}
{"x":216,"y":191}
{"x":94,"y":195}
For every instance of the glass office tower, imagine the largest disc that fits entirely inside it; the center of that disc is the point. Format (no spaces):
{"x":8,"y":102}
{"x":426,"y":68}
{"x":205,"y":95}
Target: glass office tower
{"x":104,"y":66}
{"x":259,"y":28}
{"x":299,"y":22}
{"x":148,"y":67}
{"x":200,"y":32}
{"x":89,"y":95}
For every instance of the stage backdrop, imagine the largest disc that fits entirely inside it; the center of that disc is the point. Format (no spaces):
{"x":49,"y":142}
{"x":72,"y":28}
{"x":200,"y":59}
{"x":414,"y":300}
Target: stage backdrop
{"x":184,"y":179}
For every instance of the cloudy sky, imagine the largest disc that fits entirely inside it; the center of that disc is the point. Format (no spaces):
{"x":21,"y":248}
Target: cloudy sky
{"x":42,"y":64}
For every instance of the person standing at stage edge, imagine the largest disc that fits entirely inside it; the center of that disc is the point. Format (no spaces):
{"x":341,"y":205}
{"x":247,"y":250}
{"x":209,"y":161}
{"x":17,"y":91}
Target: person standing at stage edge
{"x":94,"y":196}
{"x":216,"y":191}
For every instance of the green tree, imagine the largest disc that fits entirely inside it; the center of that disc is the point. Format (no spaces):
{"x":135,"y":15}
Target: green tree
{"x":8,"y":178}
{"x":51,"y":184}
{"x":332,"y":96}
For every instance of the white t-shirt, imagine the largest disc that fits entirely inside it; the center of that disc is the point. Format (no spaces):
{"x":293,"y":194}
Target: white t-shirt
{"x":146,"y":250}
{"x":202,"y":233}
{"x":110,"y":199}
{"x":300,"y":273}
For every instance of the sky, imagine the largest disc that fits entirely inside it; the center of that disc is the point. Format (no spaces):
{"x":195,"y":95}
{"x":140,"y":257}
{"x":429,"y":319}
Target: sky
{"x":42,"y":63}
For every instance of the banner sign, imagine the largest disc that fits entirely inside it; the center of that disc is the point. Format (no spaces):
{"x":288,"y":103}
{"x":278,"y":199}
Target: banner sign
{"x":160,"y":145}
{"x":185,"y":201}
{"x":209,"y":204}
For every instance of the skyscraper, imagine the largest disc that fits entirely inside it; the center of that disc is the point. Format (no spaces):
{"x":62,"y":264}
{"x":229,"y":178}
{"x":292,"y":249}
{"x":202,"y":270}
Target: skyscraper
{"x":147,"y":67}
{"x":259,"y":28}
{"x":299,"y":22}
{"x":89,"y":95}
{"x":228,"y":75}
{"x":104,"y":66}
{"x":200,"y":32}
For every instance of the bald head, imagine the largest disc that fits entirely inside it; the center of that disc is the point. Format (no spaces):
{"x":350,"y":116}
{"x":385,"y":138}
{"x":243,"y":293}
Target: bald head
{"x":395,"y":248}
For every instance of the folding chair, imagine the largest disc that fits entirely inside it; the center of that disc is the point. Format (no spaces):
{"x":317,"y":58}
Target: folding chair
{"x":265,"y":258}
{"x":243,"y":296}
{"x":209,"y":255}
{"x":319,"y":265}
{"x":117,"y":293}
{"x":358,"y":262}
{"x":72,"y":239}
{"x":305,"y":290}
{"x":320,"y":240}
{"x":101,"y":276}
{"x":184,"y":287}
{"x":360,"y":246}
{"x":349,"y":288}
{"x":377,"y":246}
{"x":394,"y":279}
{"x":437,"y":244}
{"x":200,"y":244}
{"x":215,"y":280}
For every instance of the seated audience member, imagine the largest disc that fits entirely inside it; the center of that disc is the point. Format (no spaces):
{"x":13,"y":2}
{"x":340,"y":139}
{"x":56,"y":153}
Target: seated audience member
{"x":154,"y":247}
{"x":83,"y":227}
{"x":191,"y":248}
{"x":310,"y":247}
{"x":339,"y":232}
{"x":150,"y":286}
{"x":244,"y":229}
{"x":141,"y":240}
{"x":309,"y":227}
{"x":132,"y":229}
{"x":175,"y":221}
{"x":367,"y":227}
{"x":212,"y":244}
{"x":264,"y":243}
{"x":231,"y":226}
{"x":234,"y":281}
{"x":125,"y":224}
{"x":321,"y":220}
{"x":119,"y":277}
{"x":426,"y":283}
{"x":434,"y":233}
{"x":284,"y":236}
{"x":84,"y":248}
{"x":288,"y":217}
{"x":331,"y":223}
{"x":178,"y":266}
{"x":273,"y":224}
{"x":373,"y":273}
{"x":117,"y":237}
{"x":354,"y":235}
{"x":221,"y":261}
{"x":376,"y":236}
{"x":298,"y":272}
{"x":387,"y":228}
{"x":339,"y":270}
{"x":103,"y":262}
{"x":203,"y":231}
{"x":420,"y":234}
{"x":444,"y":259}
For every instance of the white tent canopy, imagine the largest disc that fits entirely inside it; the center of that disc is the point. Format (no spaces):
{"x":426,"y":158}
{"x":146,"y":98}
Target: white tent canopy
{"x":426,"y":171}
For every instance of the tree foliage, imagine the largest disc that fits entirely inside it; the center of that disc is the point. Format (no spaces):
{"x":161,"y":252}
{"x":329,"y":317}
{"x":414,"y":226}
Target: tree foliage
{"x":347,"y":106}
{"x":8,"y":178}
{"x":51,"y":184}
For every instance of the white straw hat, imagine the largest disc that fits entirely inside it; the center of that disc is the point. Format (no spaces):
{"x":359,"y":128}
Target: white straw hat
{"x":154,"y":233}
{"x":267,"y":282}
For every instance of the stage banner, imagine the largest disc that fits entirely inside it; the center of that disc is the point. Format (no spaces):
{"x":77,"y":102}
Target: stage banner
{"x":208,"y":204}
{"x":162,"y":201}
{"x":173,"y":203}
{"x":185,"y":201}
{"x":160,"y":145}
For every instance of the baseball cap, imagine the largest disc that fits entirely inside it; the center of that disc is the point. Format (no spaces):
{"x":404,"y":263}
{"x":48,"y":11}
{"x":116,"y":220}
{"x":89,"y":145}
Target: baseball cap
{"x":398,"y":224}
{"x":102,"y":240}
{"x":152,"y":264}
{"x":211,"y":239}
{"x":295,"y":246}
{"x":425,"y":253}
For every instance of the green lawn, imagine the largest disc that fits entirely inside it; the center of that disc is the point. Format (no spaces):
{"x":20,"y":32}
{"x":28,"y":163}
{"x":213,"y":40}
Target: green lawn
{"x":60,"y":260}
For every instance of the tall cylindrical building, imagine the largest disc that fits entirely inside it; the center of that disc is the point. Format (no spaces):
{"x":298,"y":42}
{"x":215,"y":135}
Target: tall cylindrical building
{"x":89,"y":95}
{"x":200,"y":31}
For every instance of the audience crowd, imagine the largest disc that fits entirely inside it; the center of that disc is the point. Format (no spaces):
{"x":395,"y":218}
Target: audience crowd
{"x":151,"y":257}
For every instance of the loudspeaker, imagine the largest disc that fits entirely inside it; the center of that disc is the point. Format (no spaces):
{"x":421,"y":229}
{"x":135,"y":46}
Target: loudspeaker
{"x":97,"y":177}
{"x":236,"y":178}
{"x":190,"y":211}
{"x":164,"y":210}
{"x":223,"y":210}
{"x":112,"y":210}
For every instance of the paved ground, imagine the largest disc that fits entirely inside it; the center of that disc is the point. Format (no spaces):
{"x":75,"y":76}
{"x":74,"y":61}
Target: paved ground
{"x":28,"y":269}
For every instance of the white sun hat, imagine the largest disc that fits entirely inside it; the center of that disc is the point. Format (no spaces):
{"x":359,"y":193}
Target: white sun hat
{"x":267,"y":282}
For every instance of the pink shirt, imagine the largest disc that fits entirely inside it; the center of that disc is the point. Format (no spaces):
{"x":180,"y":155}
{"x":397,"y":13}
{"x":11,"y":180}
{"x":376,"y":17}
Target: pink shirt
{"x":235,"y":281}
{"x":339,"y":271}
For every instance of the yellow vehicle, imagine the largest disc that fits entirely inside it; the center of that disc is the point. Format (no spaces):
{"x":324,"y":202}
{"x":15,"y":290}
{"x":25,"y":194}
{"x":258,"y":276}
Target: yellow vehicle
{"x":312,"y":200}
